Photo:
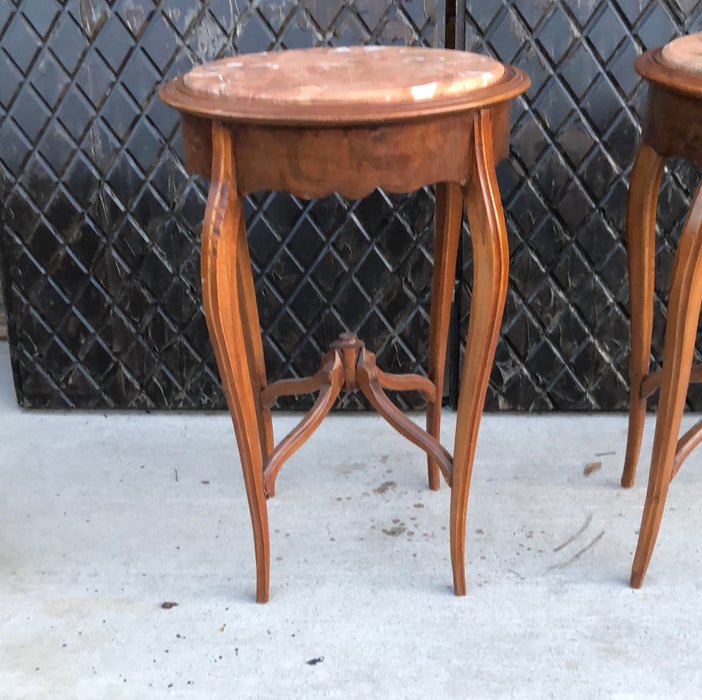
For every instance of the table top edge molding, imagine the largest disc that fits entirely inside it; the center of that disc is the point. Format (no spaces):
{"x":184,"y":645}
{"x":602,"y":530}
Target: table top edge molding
{"x":176,"y":94}
{"x":652,"y":66}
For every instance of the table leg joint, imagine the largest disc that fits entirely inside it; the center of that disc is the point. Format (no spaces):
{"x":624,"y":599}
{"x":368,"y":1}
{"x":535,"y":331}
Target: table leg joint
{"x":329,"y":380}
{"x":652,"y":381}
{"x":349,"y":366}
{"x":370,"y":383}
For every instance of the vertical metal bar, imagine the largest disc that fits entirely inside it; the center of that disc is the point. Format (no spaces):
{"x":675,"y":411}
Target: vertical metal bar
{"x":450,"y":24}
{"x":459,"y":36}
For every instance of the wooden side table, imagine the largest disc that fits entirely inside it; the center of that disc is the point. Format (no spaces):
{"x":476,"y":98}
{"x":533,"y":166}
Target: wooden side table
{"x":672,"y":128}
{"x":312,"y":122}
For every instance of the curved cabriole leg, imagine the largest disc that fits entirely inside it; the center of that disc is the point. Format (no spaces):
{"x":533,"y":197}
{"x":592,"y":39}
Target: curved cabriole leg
{"x":222,"y":300}
{"x":680,"y":333}
{"x":252,"y":337}
{"x":490,"y":272}
{"x":449,"y":211}
{"x":641,"y":228}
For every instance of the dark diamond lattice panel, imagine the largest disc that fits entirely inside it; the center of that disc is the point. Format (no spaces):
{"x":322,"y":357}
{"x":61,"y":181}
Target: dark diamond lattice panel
{"x":564,"y":342}
{"x":2,"y":304}
{"x":101,"y":222}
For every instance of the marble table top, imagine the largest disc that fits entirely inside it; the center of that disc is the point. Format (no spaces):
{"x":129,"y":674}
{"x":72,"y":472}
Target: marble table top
{"x":370,"y":75}
{"x":684,"y":53}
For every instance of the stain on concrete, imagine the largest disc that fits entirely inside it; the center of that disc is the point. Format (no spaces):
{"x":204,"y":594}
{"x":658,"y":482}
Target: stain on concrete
{"x":385,"y":486}
{"x":395,"y":530}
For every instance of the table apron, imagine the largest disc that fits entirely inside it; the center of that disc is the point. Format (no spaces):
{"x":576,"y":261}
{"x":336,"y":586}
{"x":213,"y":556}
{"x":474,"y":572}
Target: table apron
{"x":671,"y":126}
{"x":314,"y":161}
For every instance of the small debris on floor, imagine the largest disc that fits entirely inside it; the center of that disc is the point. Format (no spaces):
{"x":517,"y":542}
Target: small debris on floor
{"x":314,"y":662}
{"x":591,"y":467}
{"x":168,"y":605}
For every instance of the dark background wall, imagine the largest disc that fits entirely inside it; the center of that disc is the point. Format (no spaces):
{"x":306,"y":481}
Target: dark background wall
{"x":3,"y":322}
{"x":565,"y":335}
{"x":101,"y":222}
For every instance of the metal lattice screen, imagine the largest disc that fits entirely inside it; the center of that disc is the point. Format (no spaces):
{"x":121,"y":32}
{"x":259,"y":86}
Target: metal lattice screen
{"x":101,"y":222}
{"x":565,"y":335}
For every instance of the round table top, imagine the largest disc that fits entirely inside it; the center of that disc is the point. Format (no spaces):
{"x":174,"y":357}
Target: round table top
{"x":368,"y":74}
{"x":336,"y":84}
{"x":684,"y":53}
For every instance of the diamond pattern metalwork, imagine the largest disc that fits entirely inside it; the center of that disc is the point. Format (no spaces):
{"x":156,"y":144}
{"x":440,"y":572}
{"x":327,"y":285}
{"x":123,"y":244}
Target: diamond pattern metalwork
{"x":101,"y":222}
{"x":564,"y":342}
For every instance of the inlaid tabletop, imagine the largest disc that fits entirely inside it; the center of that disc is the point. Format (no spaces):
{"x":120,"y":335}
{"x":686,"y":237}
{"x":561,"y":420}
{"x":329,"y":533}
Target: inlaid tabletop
{"x":369,"y":74}
{"x":333,"y":82}
{"x":684,"y":53}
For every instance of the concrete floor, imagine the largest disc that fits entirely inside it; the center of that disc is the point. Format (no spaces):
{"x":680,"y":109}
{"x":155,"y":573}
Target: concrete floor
{"x":105,"y":517}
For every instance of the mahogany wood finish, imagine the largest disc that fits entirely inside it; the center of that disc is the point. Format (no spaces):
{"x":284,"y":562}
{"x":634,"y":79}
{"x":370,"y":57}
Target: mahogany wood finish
{"x":348,"y":366}
{"x":672,"y":128}
{"x":329,"y":381}
{"x":317,"y":129}
{"x":641,"y":228}
{"x":252,"y":339}
{"x":490,"y":271}
{"x":653,"y":380}
{"x":369,"y":382}
{"x":222,"y":301}
{"x":449,"y":213}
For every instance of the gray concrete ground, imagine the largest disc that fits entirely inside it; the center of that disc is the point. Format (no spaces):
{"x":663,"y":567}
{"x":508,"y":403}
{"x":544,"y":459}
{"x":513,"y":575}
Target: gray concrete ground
{"x":105,"y":517}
